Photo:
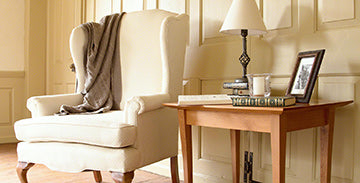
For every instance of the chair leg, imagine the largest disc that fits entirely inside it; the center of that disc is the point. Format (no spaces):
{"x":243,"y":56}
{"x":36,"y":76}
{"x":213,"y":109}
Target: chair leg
{"x":119,"y":177}
{"x":174,"y":169}
{"x":97,"y":176}
{"x":21,"y":170}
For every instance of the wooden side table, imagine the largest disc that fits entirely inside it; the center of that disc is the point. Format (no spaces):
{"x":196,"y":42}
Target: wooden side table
{"x":274,"y":120}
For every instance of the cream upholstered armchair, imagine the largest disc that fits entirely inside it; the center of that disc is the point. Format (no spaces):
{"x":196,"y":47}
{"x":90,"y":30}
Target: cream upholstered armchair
{"x":152,"y":51}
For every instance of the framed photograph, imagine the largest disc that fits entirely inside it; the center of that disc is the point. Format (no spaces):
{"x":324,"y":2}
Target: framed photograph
{"x":304,"y":75}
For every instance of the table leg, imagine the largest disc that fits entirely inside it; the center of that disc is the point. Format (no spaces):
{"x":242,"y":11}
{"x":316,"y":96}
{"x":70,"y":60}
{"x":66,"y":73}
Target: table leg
{"x":278,"y":147}
{"x":186,"y":146}
{"x":326,"y":141}
{"x":235,"y":155}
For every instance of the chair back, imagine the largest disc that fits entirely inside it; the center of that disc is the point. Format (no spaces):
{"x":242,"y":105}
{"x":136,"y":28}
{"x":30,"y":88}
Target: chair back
{"x":152,"y":53}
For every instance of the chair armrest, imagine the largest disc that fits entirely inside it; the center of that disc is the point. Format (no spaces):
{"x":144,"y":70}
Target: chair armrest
{"x":140,"y":104}
{"x":146,"y":103}
{"x":50,"y":104}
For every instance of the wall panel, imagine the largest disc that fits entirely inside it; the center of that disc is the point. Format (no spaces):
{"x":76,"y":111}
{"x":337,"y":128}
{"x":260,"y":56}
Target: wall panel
{"x":102,"y":8}
{"x":116,"y":6}
{"x":133,"y":5}
{"x":332,"y":10}
{"x":345,"y":142}
{"x":212,"y":14}
{"x":12,"y":33}
{"x":63,"y":16}
{"x":12,"y":105}
{"x":6,"y":110}
{"x":293,"y":26}
{"x":277,"y":14}
{"x":152,"y":4}
{"x":332,"y":14}
{"x":90,"y":10}
{"x":177,"y":6}
{"x":215,"y":149}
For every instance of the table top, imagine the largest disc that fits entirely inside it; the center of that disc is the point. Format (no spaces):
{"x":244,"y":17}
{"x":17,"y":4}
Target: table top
{"x":278,"y":110}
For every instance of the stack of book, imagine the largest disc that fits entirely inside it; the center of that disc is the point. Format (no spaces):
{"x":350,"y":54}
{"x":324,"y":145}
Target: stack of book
{"x":281,"y":101}
{"x":204,"y":99}
{"x":240,"y":89}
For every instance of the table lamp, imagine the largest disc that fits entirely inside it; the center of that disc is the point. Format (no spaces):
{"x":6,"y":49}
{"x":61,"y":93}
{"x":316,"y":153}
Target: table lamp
{"x":243,"y":19}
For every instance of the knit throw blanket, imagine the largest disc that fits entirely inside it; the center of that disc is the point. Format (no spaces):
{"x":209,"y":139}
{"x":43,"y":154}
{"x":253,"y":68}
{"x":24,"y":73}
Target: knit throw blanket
{"x":102,"y":91}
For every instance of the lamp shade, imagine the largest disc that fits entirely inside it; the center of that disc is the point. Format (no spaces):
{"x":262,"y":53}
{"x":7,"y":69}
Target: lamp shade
{"x":243,"y":14}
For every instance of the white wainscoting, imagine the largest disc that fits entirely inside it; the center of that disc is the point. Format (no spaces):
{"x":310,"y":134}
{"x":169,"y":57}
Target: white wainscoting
{"x":211,"y":147}
{"x":294,"y":26}
{"x":12,"y":103}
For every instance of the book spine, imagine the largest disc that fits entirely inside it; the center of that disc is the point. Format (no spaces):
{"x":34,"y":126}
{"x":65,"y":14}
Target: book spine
{"x":235,"y":85}
{"x":259,"y":102}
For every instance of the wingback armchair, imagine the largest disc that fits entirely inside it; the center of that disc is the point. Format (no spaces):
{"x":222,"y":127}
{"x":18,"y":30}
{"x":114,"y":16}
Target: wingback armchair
{"x":152,"y":53}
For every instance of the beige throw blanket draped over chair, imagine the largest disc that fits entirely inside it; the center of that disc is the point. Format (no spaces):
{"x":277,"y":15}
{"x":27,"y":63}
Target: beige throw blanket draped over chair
{"x":102,"y":90}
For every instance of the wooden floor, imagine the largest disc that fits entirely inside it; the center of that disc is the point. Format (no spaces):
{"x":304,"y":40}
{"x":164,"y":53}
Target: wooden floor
{"x":41,"y":174}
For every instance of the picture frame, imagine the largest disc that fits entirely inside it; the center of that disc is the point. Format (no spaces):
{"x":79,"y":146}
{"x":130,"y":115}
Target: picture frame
{"x":304,"y":76}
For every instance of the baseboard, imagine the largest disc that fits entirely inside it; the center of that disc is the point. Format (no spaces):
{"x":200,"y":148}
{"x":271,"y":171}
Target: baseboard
{"x":163,"y":168}
{"x":7,"y":140}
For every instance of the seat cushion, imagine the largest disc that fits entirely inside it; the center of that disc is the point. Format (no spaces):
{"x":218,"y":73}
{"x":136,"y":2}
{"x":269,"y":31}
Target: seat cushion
{"x":104,"y":129}
{"x":71,"y":157}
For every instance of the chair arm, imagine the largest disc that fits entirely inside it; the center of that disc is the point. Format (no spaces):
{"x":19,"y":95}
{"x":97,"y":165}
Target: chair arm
{"x":141,"y":104}
{"x":50,"y":104}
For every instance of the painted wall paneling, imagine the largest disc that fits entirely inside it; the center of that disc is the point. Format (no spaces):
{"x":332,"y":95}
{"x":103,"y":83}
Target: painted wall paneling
{"x":294,"y":26}
{"x":12,"y":106}
{"x":12,"y":35}
{"x":212,"y":14}
{"x":151,"y":4}
{"x":283,"y":18}
{"x":63,"y":16}
{"x":102,"y":7}
{"x":332,"y":14}
{"x":346,"y":143}
{"x":35,"y":47}
{"x":28,"y":77}
{"x":316,"y":25}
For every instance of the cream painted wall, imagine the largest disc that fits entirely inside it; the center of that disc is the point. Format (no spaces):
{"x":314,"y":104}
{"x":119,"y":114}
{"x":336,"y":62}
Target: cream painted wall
{"x":22,"y":59}
{"x":12,"y":35}
{"x":212,"y":58}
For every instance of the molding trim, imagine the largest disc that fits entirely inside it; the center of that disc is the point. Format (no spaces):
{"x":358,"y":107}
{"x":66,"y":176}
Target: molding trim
{"x":212,"y":40}
{"x":35,"y":47}
{"x":187,"y":7}
{"x":5,"y":140}
{"x":11,"y":105}
{"x":12,"y":74}
{"x":338,"y":74}
{"x":274,"y":76}
{"x":294,"y":24}
{"x":339,"y":23}
{"x":292,"y":18}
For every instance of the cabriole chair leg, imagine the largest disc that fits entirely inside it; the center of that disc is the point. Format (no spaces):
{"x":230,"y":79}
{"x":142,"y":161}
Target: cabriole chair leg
{"x":97,"y":176}
{"x":119,"y":177}
{"x":21,"y":170}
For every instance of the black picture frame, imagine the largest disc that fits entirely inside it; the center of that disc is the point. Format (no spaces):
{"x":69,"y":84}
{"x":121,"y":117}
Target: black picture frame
{"x":304,"y":76}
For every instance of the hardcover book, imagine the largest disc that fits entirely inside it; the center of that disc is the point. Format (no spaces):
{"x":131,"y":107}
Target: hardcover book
{"x":204,"y":99}
{"x":242,"y":86}
{"x":281,"y":101}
